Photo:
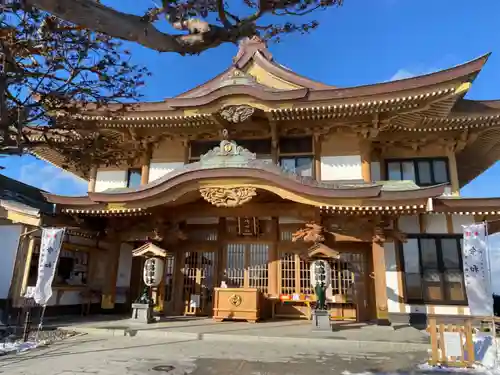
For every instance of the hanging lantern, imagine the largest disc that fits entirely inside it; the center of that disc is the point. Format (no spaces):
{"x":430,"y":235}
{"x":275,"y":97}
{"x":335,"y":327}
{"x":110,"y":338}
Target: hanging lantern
{"x":320,"y":272}
{"x":153,"y":271}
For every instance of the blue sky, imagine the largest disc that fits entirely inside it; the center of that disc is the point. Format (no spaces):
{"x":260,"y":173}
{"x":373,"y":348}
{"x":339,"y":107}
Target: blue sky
{"x":363,"y":42}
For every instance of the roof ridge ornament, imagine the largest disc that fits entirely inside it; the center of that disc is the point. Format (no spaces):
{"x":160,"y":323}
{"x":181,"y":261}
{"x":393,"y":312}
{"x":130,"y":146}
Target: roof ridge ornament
{"x":227,"y":154}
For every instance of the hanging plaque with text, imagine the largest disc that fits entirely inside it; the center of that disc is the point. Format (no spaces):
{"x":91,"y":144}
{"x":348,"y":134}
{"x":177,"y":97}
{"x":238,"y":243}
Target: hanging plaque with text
{"x":476,"y":272}
{"x":50,"y":248}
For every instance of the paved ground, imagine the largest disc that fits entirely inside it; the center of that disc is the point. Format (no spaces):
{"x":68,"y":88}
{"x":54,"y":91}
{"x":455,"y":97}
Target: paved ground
{"x":136,"y":356}
{"x":206,"y":328}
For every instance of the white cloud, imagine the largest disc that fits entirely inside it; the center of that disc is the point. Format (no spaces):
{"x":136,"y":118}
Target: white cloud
{"x":410,"y":73}
{"x":402,"y":74}
{"x":52,"y":179}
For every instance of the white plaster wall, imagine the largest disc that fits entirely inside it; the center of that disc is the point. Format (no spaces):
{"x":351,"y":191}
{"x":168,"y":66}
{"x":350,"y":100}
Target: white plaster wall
{"x":447,"y":191}
{"x":459,"y":220}
{"x":110,"y":180}
{"x":346,"y":167}
{"x":436,"y":224}
{"x":391,"y":276}
{"x":375,"y":171}
{"x":9,"y":241}
{"x":157,"y":170}
{"x":409,"y":224}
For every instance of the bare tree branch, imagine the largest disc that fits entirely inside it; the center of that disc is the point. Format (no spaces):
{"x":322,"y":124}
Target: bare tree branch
{"x":190,"y":16}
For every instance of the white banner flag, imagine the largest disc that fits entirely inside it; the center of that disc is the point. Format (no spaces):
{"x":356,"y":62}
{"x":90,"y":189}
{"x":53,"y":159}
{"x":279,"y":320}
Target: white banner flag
{"x":50,"y":248}
{"x":476,"y":272}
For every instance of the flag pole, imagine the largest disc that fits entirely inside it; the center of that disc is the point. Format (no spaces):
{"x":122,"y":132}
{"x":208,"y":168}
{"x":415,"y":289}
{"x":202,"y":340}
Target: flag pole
{"x":493,"y":325}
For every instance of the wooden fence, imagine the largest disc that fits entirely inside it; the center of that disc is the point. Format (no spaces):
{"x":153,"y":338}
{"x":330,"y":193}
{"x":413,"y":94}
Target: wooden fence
{"x":452,"y":342}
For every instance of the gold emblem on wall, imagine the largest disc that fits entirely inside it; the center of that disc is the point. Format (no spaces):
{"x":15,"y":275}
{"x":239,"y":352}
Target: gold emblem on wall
{"x":235,"y":300}
{"x":228,"y":197}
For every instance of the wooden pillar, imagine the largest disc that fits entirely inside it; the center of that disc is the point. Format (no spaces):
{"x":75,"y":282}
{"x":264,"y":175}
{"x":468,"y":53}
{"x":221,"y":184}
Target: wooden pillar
{"x":273,"y":281}
{"x":92,"y":179}
{"x":160,"y":291}
{"x":274,"y":151}
{"x":317,"y":157}
{"x":185,"y":144}
{"x":146,"y":164}
{"x":379,"y":269}
{"x":109,"y":288}
{"x":221,"y":253}
{"x":365,"y":151}
{"x":27,"y":264}
{"x":453,"y":171}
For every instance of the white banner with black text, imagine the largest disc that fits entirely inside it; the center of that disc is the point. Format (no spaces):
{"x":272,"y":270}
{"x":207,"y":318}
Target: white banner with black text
{"x":476,"y":271}
{"x":50,"y":248}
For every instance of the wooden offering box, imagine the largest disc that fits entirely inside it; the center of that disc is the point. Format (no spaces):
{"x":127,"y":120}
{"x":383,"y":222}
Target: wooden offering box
{"x":237,"y":304}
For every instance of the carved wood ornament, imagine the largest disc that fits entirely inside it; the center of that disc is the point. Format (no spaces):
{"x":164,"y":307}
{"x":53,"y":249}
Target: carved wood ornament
{"x":236,"y":113}
{"x":311,"y":233}
{"x":228,"y":197}
{"x":151,"y":229}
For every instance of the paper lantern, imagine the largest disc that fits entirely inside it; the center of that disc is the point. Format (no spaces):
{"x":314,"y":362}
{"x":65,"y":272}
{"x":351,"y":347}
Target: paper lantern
{"x":320,"y":271}
{"x":153,"y":271}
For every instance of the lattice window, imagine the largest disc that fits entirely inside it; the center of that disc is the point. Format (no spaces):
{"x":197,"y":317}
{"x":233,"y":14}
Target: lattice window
{"x":258,"y":266}
{"x":247,"y":266}
{"x":208,"y":234}
{"x":207,"y":279}
{"x":288,"y":273}
{"x":169,"y":277}
{"x":189,"y":271}
{"x":305,"y":277}
{"x":296,"y":278}
{"x":286,"y":235}
{"x":199,"y":280}
{"x":344,"y":272}
{"x":235,"y":265}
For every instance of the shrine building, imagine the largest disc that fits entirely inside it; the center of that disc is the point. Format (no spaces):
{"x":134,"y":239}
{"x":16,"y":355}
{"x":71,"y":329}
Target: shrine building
{"x":247,"y":174}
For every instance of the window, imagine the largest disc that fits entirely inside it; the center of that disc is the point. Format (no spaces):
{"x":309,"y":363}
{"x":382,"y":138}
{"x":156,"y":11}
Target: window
{"x":247,"y":266}
{"x":433,"y":271}
{"x":296,"y":155}
{"x":424,"y":172}
{"x":72,"y":267}
{"x":134,"y":178}
{"x":299,"y":165}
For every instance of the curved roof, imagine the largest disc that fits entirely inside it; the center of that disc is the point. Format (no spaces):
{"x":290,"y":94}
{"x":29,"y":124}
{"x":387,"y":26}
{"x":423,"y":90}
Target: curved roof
{"x":230,"y":165}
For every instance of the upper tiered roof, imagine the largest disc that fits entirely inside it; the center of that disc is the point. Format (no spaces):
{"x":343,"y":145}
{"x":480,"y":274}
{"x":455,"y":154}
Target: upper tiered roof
{"x":255,"y":87}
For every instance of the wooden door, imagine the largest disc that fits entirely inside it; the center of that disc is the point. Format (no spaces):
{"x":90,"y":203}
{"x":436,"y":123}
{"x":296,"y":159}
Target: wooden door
{"x":247,"y":266}
{"x":200,"y":270}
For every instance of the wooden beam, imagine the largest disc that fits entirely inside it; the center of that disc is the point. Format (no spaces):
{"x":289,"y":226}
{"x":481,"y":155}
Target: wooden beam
{"x":273,"y":275}
{"x":92,"y":179}
{"x":109,"y":287}
{"x":378,"y":257}
{"x":146,"y":162}
{"x":452,"y":166}
{"x":317,"y":157}
{"x":366,"y":150}
{"x":27,"y":264}
{"x":296,"y":210}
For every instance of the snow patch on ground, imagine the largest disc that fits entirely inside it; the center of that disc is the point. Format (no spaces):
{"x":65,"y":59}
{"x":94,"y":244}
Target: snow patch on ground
{"x":487,"y":355}
{"x":19,"y":347}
